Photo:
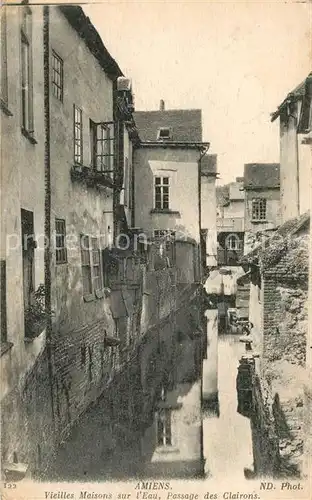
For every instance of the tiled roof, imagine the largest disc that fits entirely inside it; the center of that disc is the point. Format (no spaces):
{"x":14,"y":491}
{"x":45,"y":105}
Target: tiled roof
{"x":185,"y":124}
{"x":85,"y":29}
{"x":261,"y":175}
{"x":209,"y":164}
{"x":300,"y":92}
{"x":288,"y":260}
{"x":284,"y":231}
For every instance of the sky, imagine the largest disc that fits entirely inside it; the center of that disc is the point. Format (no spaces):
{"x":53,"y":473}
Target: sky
{"x":235,"y":61}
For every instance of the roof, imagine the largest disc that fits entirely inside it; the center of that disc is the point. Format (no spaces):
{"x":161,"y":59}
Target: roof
{"x":302,"y":91}
{"x":288,"y":259}
{"x":85,"y":29}
{"x":209,"y":165}
{"x":261,"y":175}
{"x":275,"y":245}
{"x":185,"y":124}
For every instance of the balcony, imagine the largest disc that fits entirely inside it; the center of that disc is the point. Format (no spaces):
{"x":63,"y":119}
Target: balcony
{"x":91,"y":176}
{"x":229,"y":225}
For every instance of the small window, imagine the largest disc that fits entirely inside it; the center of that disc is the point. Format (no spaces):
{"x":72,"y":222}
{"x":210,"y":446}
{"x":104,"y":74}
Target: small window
{"x":57,"y":76}
{"x":86,"y":265}
{"x":161,"y":187}
{"x":163,"y":133}
{"x":102,"y":146}
{"x":60,"y":241}
{"x":259,"y":209}
{"x":232,"y":242}
{"x":78,"y":150}
{"x":96,"y":265}
{"x":91,"y":262}
{"x":164,"y":437}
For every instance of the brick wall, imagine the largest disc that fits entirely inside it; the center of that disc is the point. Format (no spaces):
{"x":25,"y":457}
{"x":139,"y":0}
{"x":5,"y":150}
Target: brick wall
{"x":279,"y":396}
{"x":27,"y":423}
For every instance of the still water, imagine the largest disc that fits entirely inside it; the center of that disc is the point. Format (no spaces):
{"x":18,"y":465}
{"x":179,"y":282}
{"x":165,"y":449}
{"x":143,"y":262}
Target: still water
{"x":227,"y":437}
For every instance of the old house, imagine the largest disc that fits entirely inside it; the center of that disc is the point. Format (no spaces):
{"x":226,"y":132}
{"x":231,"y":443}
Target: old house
{"x":294,"y":115}
{"x":95,"y":315}
{"x":167,"y":182}
{"x":278,"y":312}
{"x":22,"y":227}
{"x":262,"y":200}
{"x":230,"y":222}
{"x":295,"y":119}
{"x":278,"y":269}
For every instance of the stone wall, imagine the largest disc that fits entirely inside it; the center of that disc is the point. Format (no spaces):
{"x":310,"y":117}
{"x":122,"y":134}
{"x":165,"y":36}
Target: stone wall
{"x":278,"y":391}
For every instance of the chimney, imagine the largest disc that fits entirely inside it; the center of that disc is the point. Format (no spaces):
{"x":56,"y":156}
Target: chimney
{"x":162,"y":105}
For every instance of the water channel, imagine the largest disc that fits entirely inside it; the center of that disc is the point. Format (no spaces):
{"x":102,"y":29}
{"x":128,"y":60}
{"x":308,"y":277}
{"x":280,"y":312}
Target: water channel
{"x":227,"y":437}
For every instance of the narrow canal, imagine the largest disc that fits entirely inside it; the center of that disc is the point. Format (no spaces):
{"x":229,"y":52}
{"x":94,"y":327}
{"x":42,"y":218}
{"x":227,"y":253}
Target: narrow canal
{"x":92,"y":453}
{"x":227,"y":437}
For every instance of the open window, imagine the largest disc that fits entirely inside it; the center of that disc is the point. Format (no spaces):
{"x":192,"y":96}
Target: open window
{"x":102,"y":146}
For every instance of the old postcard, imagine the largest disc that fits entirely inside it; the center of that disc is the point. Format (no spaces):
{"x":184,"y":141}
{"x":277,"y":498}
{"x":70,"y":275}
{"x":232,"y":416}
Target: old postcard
{"x":155,"y":250}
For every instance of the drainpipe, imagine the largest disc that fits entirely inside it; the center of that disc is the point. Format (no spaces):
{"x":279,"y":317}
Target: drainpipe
{"x":47,"y":200}
{"x":200,"y":217}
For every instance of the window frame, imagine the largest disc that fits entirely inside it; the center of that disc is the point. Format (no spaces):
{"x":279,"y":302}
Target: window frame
{"x":57,"y":87}
{"x":102,"y":147}
{"x":232,"y":237}
{"x":90,"y":263}
{"x":62,"y":250}
{"x":167,"y":136}
{"x":259,"y":209}
{"x":27,"y":100}
{"x":78,"y":141}
{"x":161,"y":186}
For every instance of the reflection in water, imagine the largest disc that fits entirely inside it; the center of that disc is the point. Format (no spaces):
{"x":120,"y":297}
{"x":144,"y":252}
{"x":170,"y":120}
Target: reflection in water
{"x":227,"y":437}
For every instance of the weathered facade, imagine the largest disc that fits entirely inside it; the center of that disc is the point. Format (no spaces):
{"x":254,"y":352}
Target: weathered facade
{"x":294,"y":115}
{"x":22,"y":231}
{"x":278,"y":313}
{"x":262,"y":200}
{"x":167,"y":166}
{"x":230,"y":222}
{"x":96,"y":315}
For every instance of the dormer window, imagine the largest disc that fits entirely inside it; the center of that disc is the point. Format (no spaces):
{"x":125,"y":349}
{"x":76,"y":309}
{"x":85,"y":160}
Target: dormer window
{"x":164,"y":133}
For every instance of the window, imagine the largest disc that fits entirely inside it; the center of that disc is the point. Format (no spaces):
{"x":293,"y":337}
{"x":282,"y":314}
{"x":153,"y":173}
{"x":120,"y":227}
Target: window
{"x":91,"y":262}
{"x":27,"y":71}
{"x":161,"y":192}
{"x":164,"y":233}
{"x":57,"y":76}
{"x":60,"y":243}
{"x":163,"y":133}
{"x":102,"y":146}
{"x":4,"y":58}
{"x":232,"y":242}
{"x":258,"y":209}
{"x":28,"y":256}
{"x":96,"y":265}
{"x":164,"y":427}
{"x":78,"y":152}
